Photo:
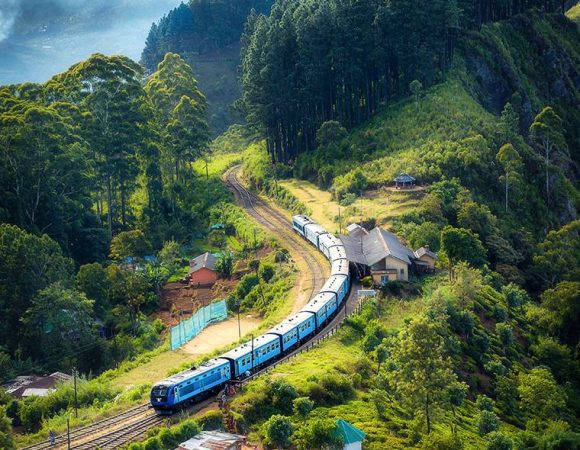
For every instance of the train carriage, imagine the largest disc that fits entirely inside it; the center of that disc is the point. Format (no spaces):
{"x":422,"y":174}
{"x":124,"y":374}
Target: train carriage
{"x":189,"y":385}
{"x":337,"y":285}
{"x":326,"y":242}
{"x":319,"y":306}
{"x":295,"y":329}
{"x":340,"y":267}
{"x":299,"y":221}
{"x":312,"y":232}
{"x":266,"y":348}
{"x":337,"y":252}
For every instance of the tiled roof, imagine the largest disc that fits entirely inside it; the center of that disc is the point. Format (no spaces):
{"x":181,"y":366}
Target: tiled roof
{"x":370,"y":248}
{"x":206,"y":260}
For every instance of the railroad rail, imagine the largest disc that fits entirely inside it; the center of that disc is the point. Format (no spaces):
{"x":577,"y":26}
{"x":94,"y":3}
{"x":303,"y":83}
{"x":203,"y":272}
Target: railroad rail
{"x":132,"y":425}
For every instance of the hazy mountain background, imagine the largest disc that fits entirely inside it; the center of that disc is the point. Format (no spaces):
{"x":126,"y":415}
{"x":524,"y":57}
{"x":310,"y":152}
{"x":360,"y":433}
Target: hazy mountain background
{"x":39,"y":38}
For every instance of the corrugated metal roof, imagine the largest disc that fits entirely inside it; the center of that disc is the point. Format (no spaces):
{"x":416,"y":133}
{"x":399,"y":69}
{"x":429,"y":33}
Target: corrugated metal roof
{"x":370,"y":248}
{"x":206,"y":260}
{"x":425,"y":251}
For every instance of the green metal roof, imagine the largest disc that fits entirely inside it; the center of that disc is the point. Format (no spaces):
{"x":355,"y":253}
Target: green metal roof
{"x":350,"y":434}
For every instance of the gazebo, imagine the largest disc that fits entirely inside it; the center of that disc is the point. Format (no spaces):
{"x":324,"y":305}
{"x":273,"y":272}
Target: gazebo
{"x":404,"y":180}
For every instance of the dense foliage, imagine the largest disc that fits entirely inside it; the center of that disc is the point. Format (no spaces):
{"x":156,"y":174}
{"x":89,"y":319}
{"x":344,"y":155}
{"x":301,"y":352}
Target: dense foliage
{"x":314,"y":61}
{"x":201,"y":26}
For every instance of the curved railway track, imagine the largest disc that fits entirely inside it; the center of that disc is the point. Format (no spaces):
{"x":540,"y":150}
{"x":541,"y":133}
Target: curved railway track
{"x":280,"y":225}
{"x":132,"y":425}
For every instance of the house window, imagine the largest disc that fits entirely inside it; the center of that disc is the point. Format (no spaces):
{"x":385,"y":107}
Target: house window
{"x":384,"y":279}
{"x":402,"y":271}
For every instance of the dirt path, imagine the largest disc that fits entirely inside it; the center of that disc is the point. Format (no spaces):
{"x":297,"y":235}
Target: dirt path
{"x":219,"y":335}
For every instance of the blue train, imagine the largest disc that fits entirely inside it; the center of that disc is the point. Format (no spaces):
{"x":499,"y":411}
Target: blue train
{"x":192,"y":385}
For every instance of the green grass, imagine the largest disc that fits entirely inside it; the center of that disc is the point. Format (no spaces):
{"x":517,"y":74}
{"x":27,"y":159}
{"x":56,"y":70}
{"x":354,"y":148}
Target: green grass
{"x":574,"y":13}
{"x":217,"y":164}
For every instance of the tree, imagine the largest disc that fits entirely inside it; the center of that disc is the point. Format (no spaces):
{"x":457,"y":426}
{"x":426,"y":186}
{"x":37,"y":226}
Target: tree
{"x":498,"y":441}
{"x":318,"y":434}
{"x":91,"y":279}
{"x":557,"y":257}
{"x":302,"y":406}
{"x":170,"y":254}
{"x":456,"y":394}
{"x":426,"y":234}
{"x":129,"y":244}
{"x":540,"y":395}
{"x":59,"y":320}
{"x":382,"y":353}
{"x":487,"y":422}
{"x":547,"y":132}
{"x":330,"y":133}
{"x":422,"y":370}
{"x":266,"y":271}
{"x":561,"y":311}
{"x":278,"y":430}
{"x":484,"y":403}
{"x":460,"y":244}
{"x":6,"y":440}
{"x":467,"y":284}
{"x":28,"y":264}
{"x":509,"y":122}
{"x":416,"y":88}
{"x":225,"y":264}
{"x":511,"y":162}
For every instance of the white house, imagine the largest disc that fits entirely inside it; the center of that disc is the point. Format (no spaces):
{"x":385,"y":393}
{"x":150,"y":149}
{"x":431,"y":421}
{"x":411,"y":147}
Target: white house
{"x":351,"y":435}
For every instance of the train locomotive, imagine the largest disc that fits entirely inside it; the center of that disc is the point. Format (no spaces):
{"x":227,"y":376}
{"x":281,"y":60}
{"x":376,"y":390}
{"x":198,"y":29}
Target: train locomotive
{"x":190,"y":386}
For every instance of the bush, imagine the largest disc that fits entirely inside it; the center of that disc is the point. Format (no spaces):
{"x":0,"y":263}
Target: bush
{"x":331,"y":389}
{"x":505,"y":334}
{"x":211,"y":420}
{"x":302,"y":406}
{"x":441,"y":441}
{"x":498,"y":441}
{"x":487,"y":422}
{"x":266,"y":271}
{"x":484,"y":403}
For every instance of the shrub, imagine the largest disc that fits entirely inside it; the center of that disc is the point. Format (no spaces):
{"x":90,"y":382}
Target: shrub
{"x":266,"y":271}
{"x":505,"y":334}
{"x":302,"y":406}
{"x":484,"y":403}
{"x":487,"y":422}
{"x":331,"y":389}
{"x":498,"y":441}
{"x":278,"y":430}
{"x":211,"y":420}
{"x":441,"y":441}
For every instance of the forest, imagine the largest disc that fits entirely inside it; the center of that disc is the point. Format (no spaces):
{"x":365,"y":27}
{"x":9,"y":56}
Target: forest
{"x":108,"y":163}
{"x":310,"y":62}
{"x":95,"y":167}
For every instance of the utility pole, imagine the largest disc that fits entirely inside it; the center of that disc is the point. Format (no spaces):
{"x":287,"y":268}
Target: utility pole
{"x":339,"y":221}
{"x":68,"y":433}
{"x":252,"y":354}
{"x":238,"y":304}
{"x":255,"y":243}
{"x":75,"y":384}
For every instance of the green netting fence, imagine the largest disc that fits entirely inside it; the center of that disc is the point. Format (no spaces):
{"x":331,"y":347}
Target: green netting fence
{"x":188,"y":329}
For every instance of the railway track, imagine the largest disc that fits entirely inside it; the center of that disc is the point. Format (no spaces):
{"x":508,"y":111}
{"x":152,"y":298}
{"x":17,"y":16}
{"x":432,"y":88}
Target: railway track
{"x":132,"y":425}
{"x":280,"y":225}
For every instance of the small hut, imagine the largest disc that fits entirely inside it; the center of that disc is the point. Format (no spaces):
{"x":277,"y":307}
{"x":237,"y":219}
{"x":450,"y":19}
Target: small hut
{"x":351,"y":435}
{"x":404,"y":180}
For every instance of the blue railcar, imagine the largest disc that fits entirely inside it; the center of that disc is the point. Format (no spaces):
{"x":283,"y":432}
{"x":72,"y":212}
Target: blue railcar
{"x":340,"y":267}
{"x":337,"y":285}
{"x":319,"y":306}
{"x":266,"y":348}
{"x":288,"y":333}
{"x":337,"y":252}
{"x":299,"y":221}
{"x":312,"y":232}
{"x":190,"y":385}
{"x":326,"y":242}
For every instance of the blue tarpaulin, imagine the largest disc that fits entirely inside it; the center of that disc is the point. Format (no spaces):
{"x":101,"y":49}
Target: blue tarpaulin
{"x":188,"y":329}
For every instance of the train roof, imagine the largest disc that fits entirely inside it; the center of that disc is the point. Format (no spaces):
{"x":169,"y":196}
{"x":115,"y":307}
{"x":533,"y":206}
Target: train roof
{"x":337,"y":252}
{"x":333,"y":283}
{"x":330,"y":240}
{"x":313,"y":227}
{"x":246,"y":348}
{"x":187,"y":374}
{"x":302,"y":219}
{"x":318,"y":302}
{"x":339,"y":267}
{"x":290,"y":323}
